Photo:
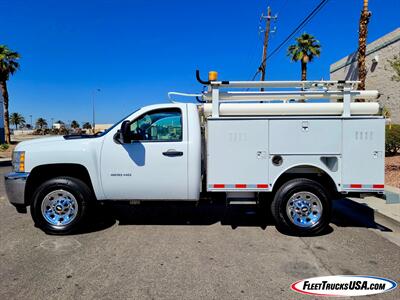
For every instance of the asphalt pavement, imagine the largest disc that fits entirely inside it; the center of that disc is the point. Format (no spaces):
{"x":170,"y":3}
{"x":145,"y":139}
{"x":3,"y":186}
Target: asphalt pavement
{"x":187,"y":251}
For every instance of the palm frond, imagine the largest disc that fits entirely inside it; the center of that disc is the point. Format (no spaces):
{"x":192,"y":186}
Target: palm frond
{"x":8,"y":62}
{"x":306,"y":45}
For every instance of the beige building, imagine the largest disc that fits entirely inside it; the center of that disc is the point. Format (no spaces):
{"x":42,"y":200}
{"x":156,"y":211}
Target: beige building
{"x":379,"y":72}
{"x":102,"y":127}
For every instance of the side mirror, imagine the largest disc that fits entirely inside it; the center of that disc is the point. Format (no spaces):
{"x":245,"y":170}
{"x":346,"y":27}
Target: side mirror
{"x":117,"y":137}
{"x":122,"y":135}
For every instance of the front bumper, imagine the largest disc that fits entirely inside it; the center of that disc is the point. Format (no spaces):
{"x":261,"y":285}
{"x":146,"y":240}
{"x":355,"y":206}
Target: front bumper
{"x":15,"y":187}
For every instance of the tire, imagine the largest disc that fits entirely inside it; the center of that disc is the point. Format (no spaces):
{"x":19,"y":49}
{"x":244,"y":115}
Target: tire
{"x":307,"y":213}
{"x":59,"y":205}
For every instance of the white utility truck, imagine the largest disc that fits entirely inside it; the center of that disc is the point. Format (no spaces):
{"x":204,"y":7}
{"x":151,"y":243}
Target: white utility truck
{"x":297,"y":155}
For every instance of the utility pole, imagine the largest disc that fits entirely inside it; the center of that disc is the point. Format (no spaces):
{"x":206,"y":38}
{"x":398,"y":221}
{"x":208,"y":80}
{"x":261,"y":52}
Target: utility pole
{"x":93,"y":109}
{"x":362,"y":45}
{"x":93,"y":113}
{"x":267,"y":30}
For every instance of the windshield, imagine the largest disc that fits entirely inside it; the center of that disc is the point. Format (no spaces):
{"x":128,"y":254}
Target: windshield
{"x":112,"y":127}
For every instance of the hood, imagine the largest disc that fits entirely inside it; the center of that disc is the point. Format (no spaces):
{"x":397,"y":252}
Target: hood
{"x":23,"y":144}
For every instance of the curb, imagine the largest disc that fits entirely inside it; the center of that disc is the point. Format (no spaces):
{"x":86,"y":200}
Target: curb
{"x":392,"y":195}
{"x":386,"y":217}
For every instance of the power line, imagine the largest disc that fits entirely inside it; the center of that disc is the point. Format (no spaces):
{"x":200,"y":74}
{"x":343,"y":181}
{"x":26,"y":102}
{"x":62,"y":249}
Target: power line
{"x":300,"y":26}
{"x":303,"y":23}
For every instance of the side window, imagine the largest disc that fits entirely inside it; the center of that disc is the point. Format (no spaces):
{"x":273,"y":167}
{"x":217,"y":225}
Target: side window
{"x":158,"y":125}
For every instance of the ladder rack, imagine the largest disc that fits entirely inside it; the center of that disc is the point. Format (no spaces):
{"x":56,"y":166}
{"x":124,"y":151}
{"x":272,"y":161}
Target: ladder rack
{"x":341,"y":89}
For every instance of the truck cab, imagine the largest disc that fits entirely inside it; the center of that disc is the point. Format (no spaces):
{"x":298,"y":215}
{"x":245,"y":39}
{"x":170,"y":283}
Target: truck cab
{"x":158,"y":158}
{"x":151,"y":161}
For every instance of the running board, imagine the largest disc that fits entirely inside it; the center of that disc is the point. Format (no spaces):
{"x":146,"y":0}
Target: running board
{"x":242,"y":202}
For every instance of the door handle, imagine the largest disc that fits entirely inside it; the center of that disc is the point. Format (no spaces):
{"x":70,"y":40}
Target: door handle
{"x":172,"y":153}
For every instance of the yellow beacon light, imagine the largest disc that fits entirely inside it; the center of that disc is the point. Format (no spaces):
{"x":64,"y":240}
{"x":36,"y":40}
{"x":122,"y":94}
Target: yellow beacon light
{"x":212,"y":76}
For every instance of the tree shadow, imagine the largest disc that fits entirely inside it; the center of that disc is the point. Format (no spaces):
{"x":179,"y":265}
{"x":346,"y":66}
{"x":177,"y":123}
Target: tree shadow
{"x":351,"y":66}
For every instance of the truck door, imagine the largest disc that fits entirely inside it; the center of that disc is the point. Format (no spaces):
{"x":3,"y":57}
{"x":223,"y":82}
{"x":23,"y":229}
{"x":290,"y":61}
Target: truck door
{"x":154,"y":164}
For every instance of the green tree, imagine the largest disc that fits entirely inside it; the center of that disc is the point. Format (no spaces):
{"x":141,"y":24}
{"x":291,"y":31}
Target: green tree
{"x":41,"y":123}
{"x":87,"y":125}
{"x":8,"y":66}
{"x":305,"y":50}
{"x":17,"y":120}
{"x":395,"y":65}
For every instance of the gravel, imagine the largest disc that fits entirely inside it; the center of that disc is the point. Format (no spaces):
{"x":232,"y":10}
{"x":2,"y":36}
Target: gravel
{"x":392,"y":171}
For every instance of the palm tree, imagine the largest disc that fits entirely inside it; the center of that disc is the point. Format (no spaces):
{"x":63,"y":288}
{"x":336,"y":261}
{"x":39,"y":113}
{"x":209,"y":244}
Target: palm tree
{"x":74,"y":124}
{"x":17,"y":120}
{"x":305,"y":50}
{"x":8,"y":66}
{"x":87,"y":125}
{"x":41,"y":123}
{"x":362,"y":45}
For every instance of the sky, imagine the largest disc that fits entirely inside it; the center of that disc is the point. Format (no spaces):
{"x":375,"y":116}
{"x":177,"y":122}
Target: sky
{"x":135,"y":52}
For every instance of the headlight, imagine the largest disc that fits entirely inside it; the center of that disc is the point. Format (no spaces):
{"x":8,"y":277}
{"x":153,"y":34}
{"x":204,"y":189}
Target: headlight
{"x":18,"y":161}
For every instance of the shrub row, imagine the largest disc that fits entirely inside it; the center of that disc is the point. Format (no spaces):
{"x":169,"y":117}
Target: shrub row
{"x":392,"y":144}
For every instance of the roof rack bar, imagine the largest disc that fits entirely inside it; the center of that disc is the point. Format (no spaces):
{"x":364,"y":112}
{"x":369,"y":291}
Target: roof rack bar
{"x":276,"y":84}
{"x":282,"y":84}
{"x":288,"y":95}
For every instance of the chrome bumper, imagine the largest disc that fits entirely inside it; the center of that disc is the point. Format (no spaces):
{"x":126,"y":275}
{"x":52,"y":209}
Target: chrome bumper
{"x":15,"y":187}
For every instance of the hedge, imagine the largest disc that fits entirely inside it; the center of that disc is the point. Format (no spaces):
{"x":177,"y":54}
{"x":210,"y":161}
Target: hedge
{"x":392,"y":135}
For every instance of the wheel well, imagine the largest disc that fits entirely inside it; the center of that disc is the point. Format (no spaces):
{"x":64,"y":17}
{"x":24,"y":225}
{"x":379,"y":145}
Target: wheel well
{"x":42,"y":173}
{"x":310,"y":172}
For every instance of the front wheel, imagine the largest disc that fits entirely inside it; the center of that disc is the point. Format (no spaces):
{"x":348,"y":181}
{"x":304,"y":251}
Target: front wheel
{"x":302,"y":207}
{"x":59,"y":205}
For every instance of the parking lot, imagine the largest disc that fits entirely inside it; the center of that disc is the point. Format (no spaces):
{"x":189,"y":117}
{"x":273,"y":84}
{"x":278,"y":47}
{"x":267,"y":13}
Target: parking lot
{"x":187,"y":251}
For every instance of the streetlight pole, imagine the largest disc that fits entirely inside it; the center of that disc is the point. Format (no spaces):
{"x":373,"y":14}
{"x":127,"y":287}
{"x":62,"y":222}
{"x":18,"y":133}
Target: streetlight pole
{"x":94,"y":123}
{"x":31,"y":121}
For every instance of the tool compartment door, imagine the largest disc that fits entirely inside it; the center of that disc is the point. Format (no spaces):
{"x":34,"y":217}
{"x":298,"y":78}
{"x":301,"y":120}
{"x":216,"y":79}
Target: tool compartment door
{"x":363,"y":153}
{"x":237,"y":154}
{"x":305,"y":136}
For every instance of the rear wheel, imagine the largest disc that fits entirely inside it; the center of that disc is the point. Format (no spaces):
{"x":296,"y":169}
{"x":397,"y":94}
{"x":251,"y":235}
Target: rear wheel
{"x":302,"y":207}
{"x":59,"y":205}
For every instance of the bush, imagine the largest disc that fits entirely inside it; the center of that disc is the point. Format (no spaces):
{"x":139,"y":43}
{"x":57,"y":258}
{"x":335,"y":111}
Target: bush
{"x":392,"y":144}
{"x":55,"y":131}
{"x":63,"y":131}
{"x":4,"y":147}
{"x":37,"y":132}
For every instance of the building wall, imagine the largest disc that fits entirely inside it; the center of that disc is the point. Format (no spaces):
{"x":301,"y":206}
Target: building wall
{"x":102,"y":127}
{"x":379,"y":72}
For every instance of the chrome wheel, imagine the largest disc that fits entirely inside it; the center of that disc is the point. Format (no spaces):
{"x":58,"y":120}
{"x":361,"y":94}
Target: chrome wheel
{"x":59,"y":208}
{"x":304,"y":209}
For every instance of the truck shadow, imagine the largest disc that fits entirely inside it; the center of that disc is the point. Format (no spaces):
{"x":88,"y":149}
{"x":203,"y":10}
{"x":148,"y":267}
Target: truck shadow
{"x":346,"y":213}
